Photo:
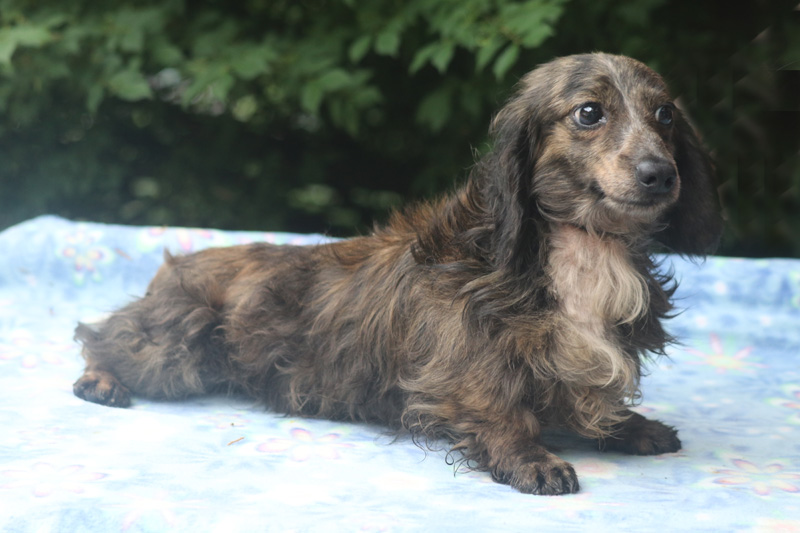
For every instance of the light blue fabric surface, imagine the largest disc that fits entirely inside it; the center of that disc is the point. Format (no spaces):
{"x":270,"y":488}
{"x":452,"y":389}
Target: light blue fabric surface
{"x":224,"y":464}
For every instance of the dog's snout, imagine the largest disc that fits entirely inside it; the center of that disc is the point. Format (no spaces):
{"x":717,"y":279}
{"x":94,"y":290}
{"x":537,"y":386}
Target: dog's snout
{"x":656,"y":176}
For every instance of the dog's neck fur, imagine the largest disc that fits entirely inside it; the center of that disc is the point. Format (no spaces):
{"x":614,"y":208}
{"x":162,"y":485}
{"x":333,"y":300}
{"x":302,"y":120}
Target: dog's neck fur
{"x":597,"y":289}
{"x":594,"y":279}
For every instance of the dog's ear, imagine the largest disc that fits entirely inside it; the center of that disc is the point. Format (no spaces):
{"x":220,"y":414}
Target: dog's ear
{"x":693,"y":224}
{"x":507,"y":182}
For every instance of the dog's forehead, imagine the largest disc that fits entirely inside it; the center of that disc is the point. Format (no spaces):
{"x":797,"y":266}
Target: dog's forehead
{"x":597,"y":75}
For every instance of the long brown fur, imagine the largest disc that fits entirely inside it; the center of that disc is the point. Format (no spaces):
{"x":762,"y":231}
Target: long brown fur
{"x":526,"y":299}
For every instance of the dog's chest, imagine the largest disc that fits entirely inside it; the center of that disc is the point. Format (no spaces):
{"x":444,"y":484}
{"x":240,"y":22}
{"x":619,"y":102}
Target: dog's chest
{"x":594,"y":281}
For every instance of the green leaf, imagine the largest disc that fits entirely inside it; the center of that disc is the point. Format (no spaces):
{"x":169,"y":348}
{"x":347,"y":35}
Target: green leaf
{"x":94,"y":97}
{"x":531,"y":22}
{"x":7,"y":48}
{"x":132,"y":26}
{"x":435,"y":109}
{"x":250,"y":62}
{"x":333,"y":80}
{"x":221,"y":86}
{"x":505,"y":61}
{"x":471,"y":100}
{"x":72,"y":37}
{"x":422,"y":56}
{"x":344,"y":116}
{"x":244,"y":108}
{"x":367,"y":97}
{"x":205,"y":76}
{"x":210,"y":42}
{"x":132,"y":40}
{"x":359,"y":48}
{"x":536,"y":35}
{"x":311,"y":97}
{"x":441,"y":58}
{"x":165,"y":53}
{"x":24,"y":35}
{"x":313,"y":198}
{"x":28,"y":35}
{"x":487,"y":51}
{"x":387,"y":43}
{"x":130,"y":85}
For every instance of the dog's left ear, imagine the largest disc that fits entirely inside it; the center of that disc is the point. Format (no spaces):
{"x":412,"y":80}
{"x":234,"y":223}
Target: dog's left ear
{"x":693,"y":224}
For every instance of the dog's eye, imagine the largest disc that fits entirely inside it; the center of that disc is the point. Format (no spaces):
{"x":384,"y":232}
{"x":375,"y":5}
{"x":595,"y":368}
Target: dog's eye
{"x":589,"y":114}
{"x":664,"y":115}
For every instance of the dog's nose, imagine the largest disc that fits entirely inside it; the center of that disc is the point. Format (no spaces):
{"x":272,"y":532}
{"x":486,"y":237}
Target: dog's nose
{"x":656,"y":176}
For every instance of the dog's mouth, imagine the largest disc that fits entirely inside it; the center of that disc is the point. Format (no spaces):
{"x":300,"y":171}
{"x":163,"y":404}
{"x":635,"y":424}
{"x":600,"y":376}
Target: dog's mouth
{"x":649,"y":203}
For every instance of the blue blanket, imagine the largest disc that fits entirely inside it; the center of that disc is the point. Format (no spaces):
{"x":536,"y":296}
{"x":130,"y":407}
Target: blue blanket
{"x":226,"y":464}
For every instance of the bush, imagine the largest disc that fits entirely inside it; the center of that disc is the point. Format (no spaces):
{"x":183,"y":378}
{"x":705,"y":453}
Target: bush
{"x":320,"y":115}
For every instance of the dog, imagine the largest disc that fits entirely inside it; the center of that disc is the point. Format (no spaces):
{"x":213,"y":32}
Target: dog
{"x":527,"y":299}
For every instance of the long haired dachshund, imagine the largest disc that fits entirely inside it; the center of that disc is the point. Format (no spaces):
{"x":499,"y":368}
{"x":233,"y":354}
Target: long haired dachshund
{"x":525,"y":300}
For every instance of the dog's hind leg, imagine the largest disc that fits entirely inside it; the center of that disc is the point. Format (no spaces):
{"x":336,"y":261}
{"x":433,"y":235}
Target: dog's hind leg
{"x":166,"y":345}
{"x":100,"y":386}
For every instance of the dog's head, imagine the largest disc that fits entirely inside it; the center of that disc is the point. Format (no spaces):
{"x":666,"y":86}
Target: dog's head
{"x":596,"y":141}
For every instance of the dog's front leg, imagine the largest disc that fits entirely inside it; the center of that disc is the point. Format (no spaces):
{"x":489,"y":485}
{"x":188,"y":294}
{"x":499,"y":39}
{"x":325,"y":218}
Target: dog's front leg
{"x":638,"y":435}
{"x":537,"y":471}
{"x":513,"y":455}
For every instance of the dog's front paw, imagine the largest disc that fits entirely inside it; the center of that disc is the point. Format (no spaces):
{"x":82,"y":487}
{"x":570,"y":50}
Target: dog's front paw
{"x":548,"y":475}
{"x":102,"y":387}
{"x":640,"y":436}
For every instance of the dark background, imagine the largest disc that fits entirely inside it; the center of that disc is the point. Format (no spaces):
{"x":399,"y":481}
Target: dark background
{"x":321,"y":115}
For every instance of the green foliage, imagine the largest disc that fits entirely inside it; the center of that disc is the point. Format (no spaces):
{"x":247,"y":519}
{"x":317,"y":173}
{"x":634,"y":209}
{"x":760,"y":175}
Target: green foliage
{"x":286,"y":56}
{"x":216,"y":102}
{"x":323,"y":114}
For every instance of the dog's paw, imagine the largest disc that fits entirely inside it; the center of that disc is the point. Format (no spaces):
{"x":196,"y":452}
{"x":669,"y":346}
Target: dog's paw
{"x":548,"y":476}
{"x":102,"y":387}
{"x":640,"y":436}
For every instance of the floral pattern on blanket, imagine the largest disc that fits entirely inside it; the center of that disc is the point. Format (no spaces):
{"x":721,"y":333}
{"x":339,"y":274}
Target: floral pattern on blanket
{"x":212,"y":464}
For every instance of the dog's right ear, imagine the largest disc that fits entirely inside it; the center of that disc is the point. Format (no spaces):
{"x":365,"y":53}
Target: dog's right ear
{"x":506,"y":177}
